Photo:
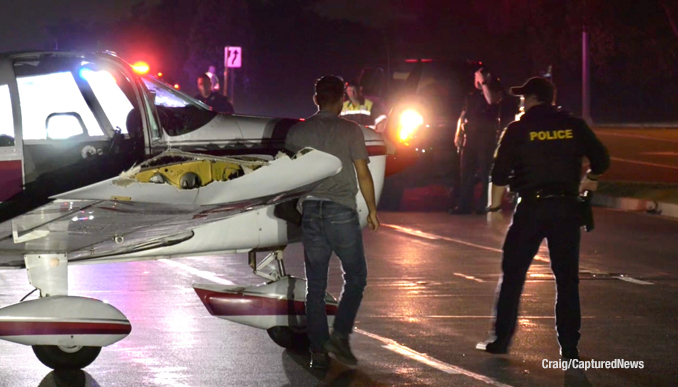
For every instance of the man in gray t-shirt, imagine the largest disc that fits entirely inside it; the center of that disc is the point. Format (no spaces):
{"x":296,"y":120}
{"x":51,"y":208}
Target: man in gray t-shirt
{"x":330,"y":221}
{"x":327,"y":132}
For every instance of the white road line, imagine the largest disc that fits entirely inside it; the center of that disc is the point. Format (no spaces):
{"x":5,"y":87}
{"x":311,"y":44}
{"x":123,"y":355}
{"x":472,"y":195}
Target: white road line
{"x":468,"y":277}
{"x":603,"y":133}
{"x":633,"y":280}
{"x":660,"y":153}
{"x":466,"y":317}
{"x":392,"y":345}
{"x":389,"y":344}
{"x":643,"y":163}
{"x":426,"y":235}
{"x":199,"y":273}
{"x":421,"y":234}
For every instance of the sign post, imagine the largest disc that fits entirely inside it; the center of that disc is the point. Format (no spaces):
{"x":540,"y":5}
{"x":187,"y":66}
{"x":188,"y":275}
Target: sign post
{"x":232,"y":61}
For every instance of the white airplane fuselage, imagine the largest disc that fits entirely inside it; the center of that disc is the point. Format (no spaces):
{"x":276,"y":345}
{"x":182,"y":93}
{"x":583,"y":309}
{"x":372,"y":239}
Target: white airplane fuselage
{"x":99,"y":164}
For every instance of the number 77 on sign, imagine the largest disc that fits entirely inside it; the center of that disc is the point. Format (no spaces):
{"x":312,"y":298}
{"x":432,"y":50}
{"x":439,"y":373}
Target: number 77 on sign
{"x":233,"y":57}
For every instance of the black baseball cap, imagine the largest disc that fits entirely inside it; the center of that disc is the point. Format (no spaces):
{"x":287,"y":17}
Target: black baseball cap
{"x":540,"y":87}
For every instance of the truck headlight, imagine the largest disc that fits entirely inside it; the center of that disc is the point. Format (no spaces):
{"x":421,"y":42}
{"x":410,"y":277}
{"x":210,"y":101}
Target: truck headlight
{"x":410,"y":120}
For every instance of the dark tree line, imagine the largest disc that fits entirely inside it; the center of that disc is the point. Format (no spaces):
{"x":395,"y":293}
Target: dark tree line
{"x":286,"y":44}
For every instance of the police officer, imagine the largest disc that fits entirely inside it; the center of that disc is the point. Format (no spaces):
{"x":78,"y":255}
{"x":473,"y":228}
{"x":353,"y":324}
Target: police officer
{"x":476,"y":139}
{"x":213,"y":99}
{"x":540,"y":157}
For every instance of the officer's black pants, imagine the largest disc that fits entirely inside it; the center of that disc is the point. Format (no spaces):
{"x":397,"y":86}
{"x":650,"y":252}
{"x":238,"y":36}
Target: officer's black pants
{"x":475,"y":162}
{"x":557,"y":220}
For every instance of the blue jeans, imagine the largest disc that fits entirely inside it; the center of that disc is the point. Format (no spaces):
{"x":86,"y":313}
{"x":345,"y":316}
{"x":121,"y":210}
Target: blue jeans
{"x":330,"y":227}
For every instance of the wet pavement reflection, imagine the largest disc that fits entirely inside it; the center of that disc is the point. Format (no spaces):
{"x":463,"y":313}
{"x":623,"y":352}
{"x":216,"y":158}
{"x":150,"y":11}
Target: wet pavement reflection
{"x":75,"y":378}
{"x":298,"y":373}
{"x":428,"y":302}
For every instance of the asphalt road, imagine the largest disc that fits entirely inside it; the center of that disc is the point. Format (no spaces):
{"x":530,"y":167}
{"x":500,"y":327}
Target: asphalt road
{"x":641,"y":155}
{"x":430,"y":289}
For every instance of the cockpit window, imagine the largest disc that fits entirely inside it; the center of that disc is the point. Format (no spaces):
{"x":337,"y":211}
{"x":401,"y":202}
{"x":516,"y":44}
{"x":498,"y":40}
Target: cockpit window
{"x":6,"y":118}
{"x":168,"y":97}
{"x":114,"y":102}
{"x":64,"y":97}
{"x":47,"y":94}
{"x":179,"y":114}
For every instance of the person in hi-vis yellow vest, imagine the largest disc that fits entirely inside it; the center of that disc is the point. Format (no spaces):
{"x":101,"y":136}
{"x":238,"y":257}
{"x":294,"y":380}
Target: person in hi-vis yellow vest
{"x":360,"y":109}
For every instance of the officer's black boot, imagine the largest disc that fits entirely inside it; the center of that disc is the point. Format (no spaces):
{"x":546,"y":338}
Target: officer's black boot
{"x":569,"y":353}
{"x":494,"y":345}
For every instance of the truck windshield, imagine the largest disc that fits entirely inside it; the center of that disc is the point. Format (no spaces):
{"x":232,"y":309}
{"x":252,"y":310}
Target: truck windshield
{"x":179,"y":114}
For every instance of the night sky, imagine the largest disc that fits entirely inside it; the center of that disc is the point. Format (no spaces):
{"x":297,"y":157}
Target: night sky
{"x":24,"y":22}
{"x":289,"y":43}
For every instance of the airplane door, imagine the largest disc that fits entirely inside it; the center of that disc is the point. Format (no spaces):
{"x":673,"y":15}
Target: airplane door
{"x":11,"y":165}
{"x":70,"y":110}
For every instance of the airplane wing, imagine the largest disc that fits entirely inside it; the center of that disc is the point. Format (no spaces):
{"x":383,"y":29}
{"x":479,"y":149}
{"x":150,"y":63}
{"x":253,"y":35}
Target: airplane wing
{"x":122,"y":215}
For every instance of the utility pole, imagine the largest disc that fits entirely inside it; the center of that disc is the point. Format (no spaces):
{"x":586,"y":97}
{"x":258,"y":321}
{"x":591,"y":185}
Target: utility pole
{"x":233,"y":86}
{"x":228,"y":89}
{"x":585,"y":77}
{"x":224,"y":87}
{"x":585,"y":68}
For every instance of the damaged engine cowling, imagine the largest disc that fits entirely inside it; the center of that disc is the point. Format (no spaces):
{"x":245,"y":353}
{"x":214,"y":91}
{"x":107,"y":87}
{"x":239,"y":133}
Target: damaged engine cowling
{"x":191,"y":174}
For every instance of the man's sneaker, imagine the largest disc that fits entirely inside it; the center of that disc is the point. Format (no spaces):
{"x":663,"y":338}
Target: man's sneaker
{"x":493,"y":346}
{"x":320,"y":360}
{"x":341,"y":349}
{"x":569,"y":353}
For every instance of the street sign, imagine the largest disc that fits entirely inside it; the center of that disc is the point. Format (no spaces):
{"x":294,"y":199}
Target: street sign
{"x":233,"y":57}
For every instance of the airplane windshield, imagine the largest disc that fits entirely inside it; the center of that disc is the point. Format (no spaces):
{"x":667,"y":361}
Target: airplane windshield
{"x":179,"y":114}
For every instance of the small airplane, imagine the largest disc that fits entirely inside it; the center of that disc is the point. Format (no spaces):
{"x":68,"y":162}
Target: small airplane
{"x":101,"y":164}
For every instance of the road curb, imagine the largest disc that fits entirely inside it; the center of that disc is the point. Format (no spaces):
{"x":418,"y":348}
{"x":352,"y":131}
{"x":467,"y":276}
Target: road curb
{"x":632,"y":204}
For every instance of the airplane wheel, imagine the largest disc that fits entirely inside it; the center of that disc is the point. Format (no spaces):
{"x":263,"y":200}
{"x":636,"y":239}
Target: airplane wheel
{"x":66,"y":358}
{"x":288,"y":338}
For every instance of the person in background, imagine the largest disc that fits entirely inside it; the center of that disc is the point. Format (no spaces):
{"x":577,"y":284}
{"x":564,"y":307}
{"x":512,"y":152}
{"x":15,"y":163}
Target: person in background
{"x":359,"y":109}
{"x":214,"y":100}
{"x":476,"y":140}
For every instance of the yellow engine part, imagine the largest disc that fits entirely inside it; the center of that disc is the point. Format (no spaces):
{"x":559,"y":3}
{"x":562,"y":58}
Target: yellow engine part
{"x":206,"y":170}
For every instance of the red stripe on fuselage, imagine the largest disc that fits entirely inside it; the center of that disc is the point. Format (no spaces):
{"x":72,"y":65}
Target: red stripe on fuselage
{"x":238,"y":304}
{"x":35,"y":328}
{"x":376,"y":150}
{"x":10,"y":179}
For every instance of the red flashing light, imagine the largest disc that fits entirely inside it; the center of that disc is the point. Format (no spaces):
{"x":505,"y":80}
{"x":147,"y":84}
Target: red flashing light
{"x":302,"y":119}
{"x":160,"y":74}
{"x":176,"y":86}
{"x":417,"y":60}
{"x":141,"y":67}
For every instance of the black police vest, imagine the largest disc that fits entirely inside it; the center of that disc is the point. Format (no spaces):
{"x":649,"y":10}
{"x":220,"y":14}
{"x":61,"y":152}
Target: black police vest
{"x":551,"y":150}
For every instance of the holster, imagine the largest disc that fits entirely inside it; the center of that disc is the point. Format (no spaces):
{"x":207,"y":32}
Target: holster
{"x":586,"y":211}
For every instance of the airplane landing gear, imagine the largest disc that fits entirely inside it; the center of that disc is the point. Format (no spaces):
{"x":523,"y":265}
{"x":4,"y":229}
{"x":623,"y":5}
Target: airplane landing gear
{"x":65,"y":332}
{"x":277,"y":306}
{"x":66,"y":358}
